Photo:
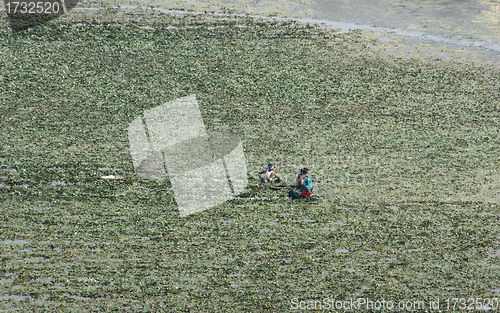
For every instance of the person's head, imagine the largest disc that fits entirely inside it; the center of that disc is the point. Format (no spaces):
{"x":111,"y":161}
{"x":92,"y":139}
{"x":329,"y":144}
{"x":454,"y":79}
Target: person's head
{"x":304,"y":171}
{"x":270,"y":167}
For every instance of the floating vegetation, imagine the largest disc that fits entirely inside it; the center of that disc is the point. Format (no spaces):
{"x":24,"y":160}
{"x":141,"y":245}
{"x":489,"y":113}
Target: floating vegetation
{"x":79,"y":230}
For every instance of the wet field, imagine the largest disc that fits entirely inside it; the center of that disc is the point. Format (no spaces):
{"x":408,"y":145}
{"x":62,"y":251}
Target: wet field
{"x":404,"y":150}
{"x":467,"y":31}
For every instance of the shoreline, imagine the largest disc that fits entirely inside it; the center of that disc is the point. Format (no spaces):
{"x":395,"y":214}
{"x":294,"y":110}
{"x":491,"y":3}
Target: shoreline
{"x":399,"y":42}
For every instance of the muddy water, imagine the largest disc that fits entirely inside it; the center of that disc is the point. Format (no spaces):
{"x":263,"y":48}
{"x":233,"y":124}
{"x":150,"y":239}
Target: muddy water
{"x":465,"y":19}
{"x":472,"y":27}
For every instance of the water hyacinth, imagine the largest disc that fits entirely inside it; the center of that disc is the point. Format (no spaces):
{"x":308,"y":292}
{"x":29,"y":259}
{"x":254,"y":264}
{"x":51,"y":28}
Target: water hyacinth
{"x":390,"y":142}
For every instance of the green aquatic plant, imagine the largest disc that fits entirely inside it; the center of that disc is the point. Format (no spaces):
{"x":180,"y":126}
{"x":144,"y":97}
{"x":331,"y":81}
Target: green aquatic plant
{"x":398,"y":142}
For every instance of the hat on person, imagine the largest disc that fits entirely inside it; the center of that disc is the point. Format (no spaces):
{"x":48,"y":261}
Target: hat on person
{"x":270,"y":167}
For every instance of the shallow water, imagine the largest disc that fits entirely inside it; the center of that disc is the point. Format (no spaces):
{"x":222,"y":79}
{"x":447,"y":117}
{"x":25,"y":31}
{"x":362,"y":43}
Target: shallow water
{"x":477,"y":20}
{"x":338,"y":223}
{"x":15,"y":297}
{"x":16,"y":241}
{"x":431,"y":25}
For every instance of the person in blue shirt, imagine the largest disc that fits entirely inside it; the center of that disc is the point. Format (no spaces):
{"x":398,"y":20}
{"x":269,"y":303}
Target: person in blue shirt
{"x":306,"y":189}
